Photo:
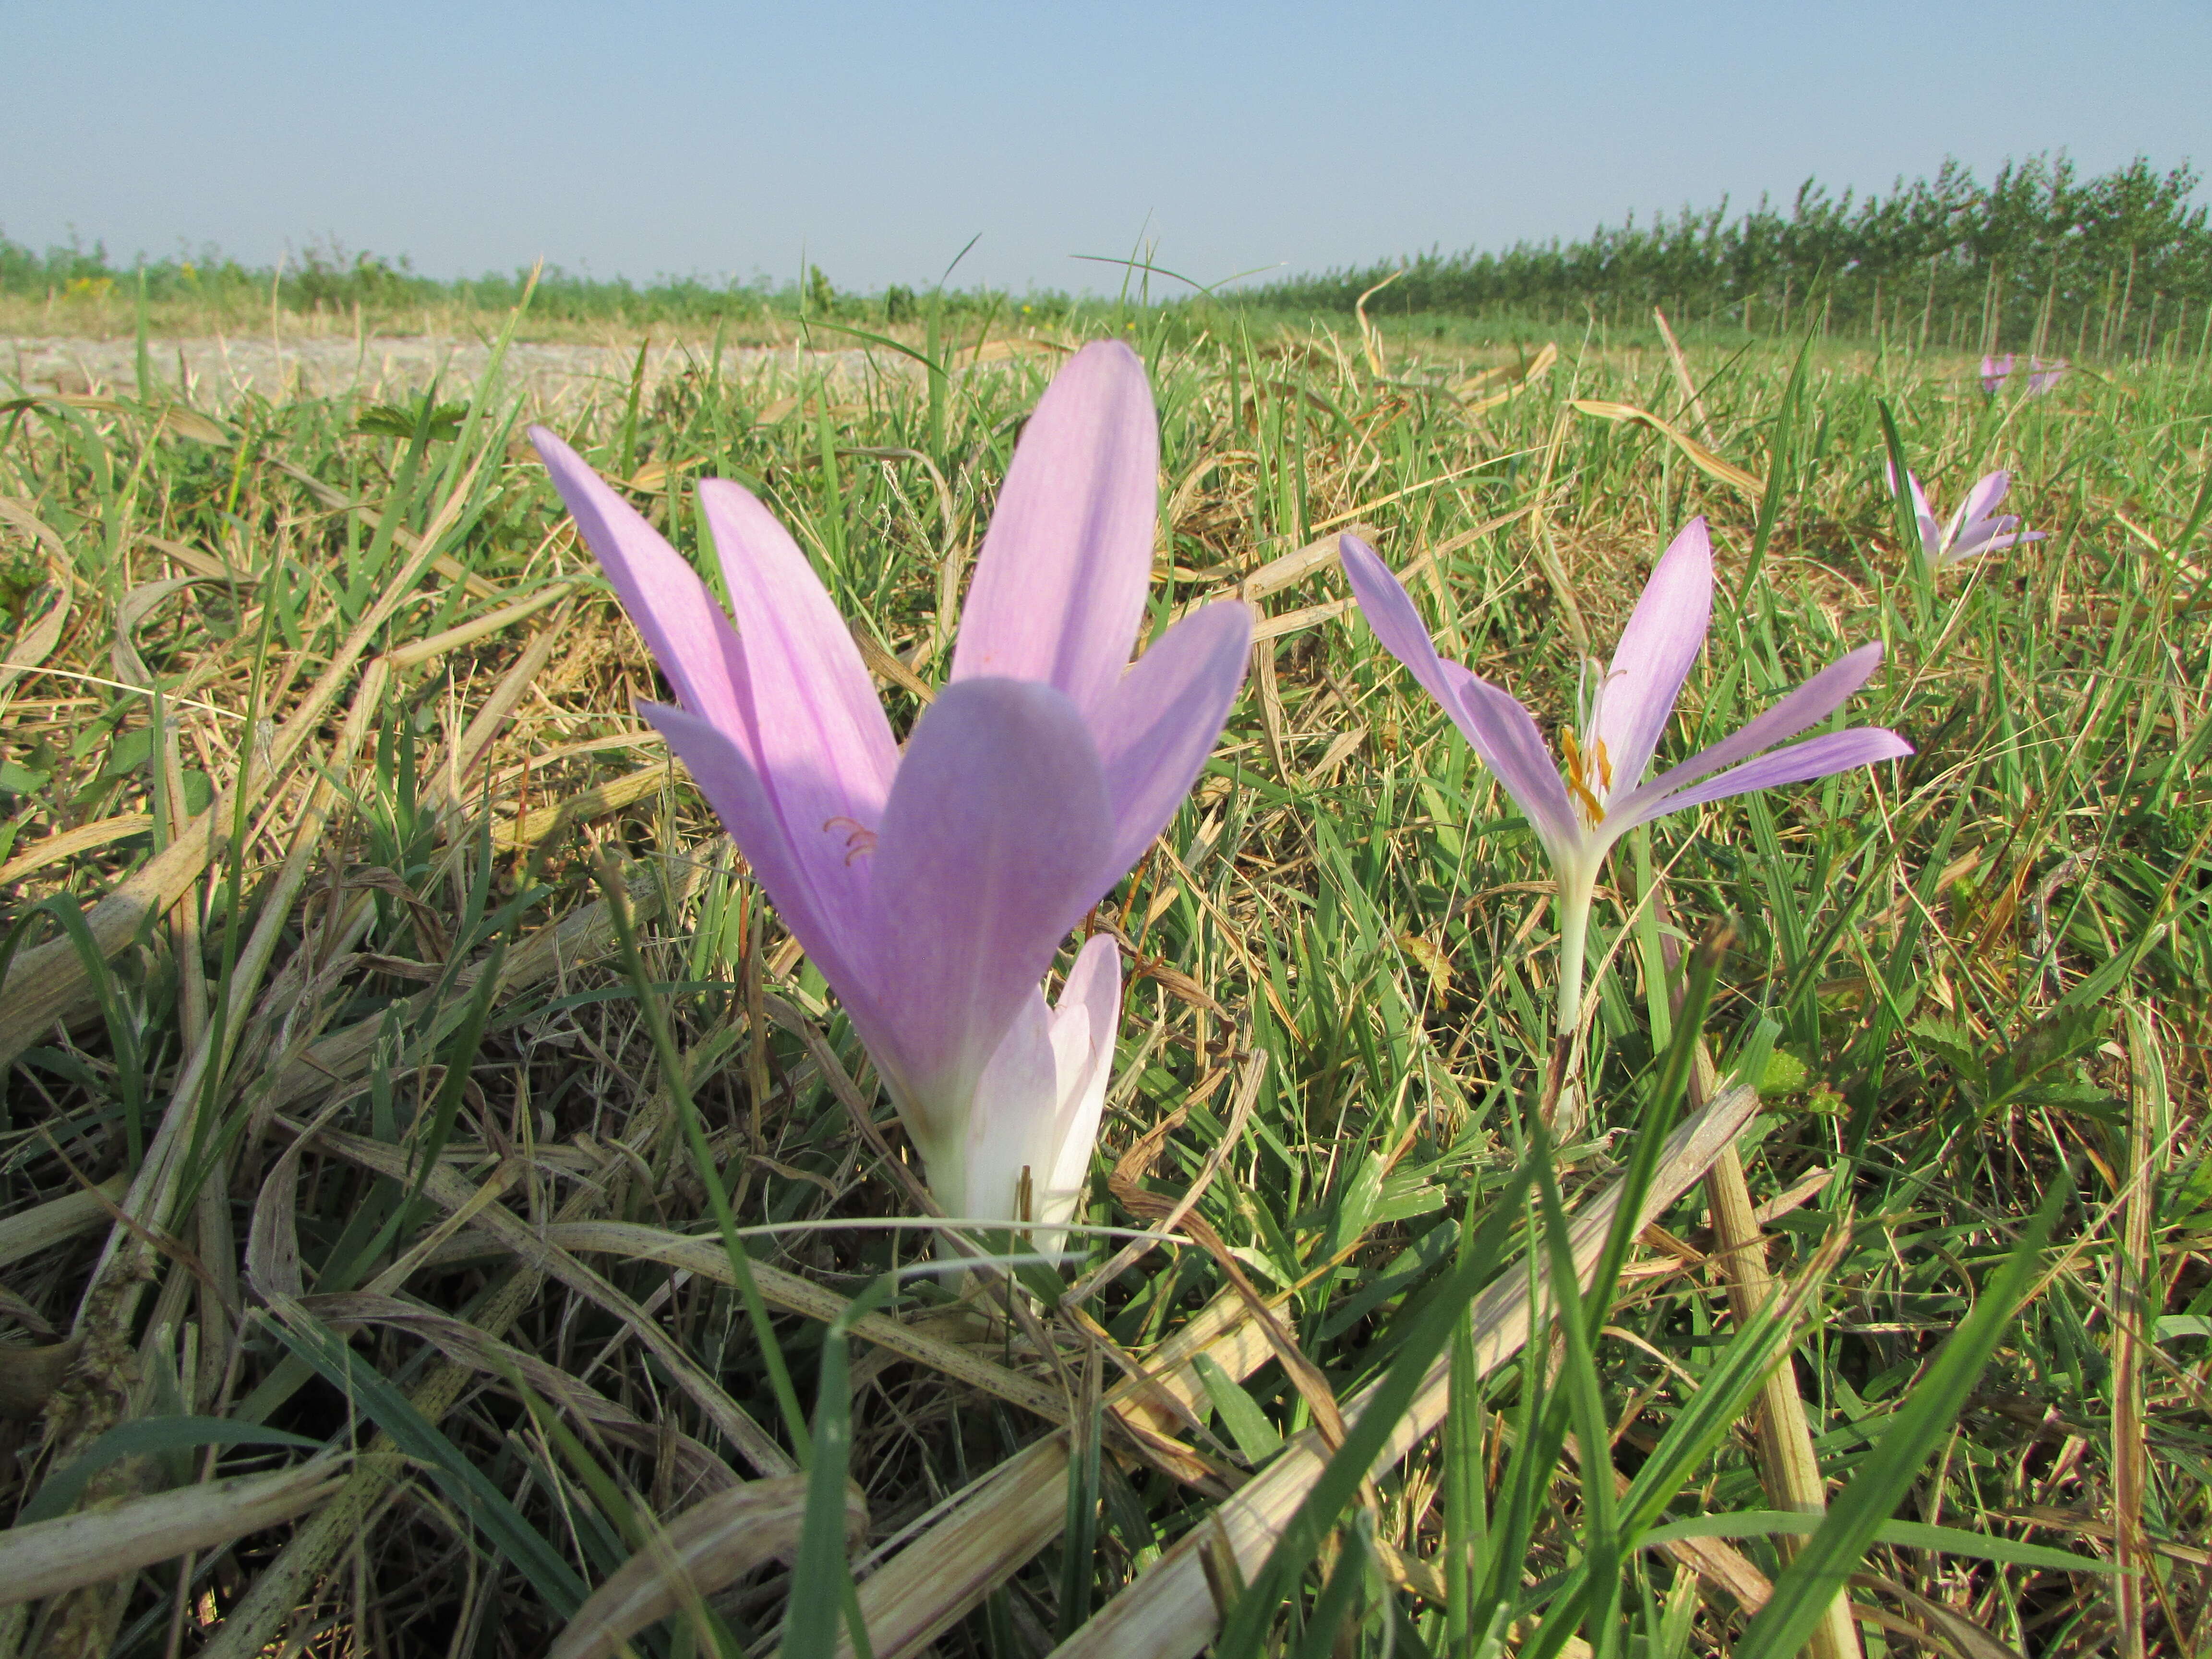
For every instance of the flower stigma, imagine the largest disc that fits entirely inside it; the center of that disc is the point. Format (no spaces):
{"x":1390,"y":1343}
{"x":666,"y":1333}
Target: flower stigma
{"x":861,"y":840}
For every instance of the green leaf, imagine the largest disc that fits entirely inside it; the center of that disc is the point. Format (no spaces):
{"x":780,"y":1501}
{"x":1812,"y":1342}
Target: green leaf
{"x":1339,"y":1599}
{"x":1817,"y":1577}
{"x":1079,"y":1552}
{"x":1913,"y":1535}
{"x":1247,"y":1424}
{"x":1751,"y":1523}
{"x":1779,"y":456}
{"x":1784,"y":1075}
{"x":468,"y":1487}
{"x":1900,"y":492}
{"x":1910,"y":1534}
{"x":128,"y":752}
{"x":1730,"y":1385}
{"x":400,"y":421}
{"x":20,"y":780}
{"x":145,"y":1437}
{"x":821,"y":1578}
{"x":1246,"y":1625}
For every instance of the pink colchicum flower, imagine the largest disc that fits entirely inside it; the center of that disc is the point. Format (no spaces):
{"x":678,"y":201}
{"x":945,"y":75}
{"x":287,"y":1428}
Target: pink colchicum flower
{"x":1579,"y":812}
{"x":2041,"y":375}
{"x":933,"y":887}
{"x":1975,"y":528}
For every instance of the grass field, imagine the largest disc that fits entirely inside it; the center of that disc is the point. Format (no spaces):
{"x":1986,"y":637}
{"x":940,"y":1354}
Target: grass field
{"x":350,"y":1154}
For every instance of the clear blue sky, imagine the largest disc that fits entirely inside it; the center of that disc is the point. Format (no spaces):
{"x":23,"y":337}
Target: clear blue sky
{"x":664,"y":137}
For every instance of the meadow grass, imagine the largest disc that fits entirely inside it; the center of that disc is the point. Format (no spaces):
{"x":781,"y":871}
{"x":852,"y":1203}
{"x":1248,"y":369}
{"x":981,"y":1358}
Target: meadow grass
{"x":382,"y":1002}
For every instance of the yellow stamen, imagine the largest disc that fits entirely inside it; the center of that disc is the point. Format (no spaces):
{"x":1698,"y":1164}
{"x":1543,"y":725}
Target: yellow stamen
{"x":1593,"y":809}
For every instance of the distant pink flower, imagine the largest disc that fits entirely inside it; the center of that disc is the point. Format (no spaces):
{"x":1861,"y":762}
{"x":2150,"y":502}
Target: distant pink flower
{"x":934,"y":887}
{"x":2041,"y":375}
{"x":1975,"y":528}
{"x":1579,"y":811}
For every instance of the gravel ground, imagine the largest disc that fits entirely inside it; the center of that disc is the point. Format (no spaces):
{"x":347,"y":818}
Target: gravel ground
{"x":216,"y":371}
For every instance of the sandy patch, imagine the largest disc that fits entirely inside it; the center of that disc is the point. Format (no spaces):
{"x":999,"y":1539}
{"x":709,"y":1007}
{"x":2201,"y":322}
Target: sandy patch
{"x":216,"y":371}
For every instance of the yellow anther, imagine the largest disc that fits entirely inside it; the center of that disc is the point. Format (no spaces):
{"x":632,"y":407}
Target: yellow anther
{"x":1593,"y":809}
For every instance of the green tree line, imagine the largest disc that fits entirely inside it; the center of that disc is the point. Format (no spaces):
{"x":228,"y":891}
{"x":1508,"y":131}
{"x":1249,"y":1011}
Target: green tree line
{"x":329,"y":277}
{"x":2039,"y":258}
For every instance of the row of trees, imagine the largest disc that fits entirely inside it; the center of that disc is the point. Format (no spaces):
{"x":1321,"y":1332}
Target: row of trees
{"x":327,"y":275}
{"x":332,"y":278}
{"x":2039,"y":258}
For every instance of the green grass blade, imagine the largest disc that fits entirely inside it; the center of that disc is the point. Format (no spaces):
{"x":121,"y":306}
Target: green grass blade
{"x":139,"y":1438}
{"x":1246,"y":1626}
{"x":466,"y":1486}
{"x":1854,"y":1520}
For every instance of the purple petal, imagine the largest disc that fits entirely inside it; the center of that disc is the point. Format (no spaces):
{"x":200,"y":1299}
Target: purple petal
{"x":682,"y":626}
{"x":1815,"y":758}
{"x":1972,"y":547}
{"x":823,"y":745}
{"x":995,"y":842}
{"x":1814,"y":701}
{"x":1983,"y":540}
{"x":1059,"y":587}
{"x":1390,"y":612}
{"x":1495,"y":724}
{"x":1656,"y":650}
{"x":1492,"y":722}
{"x":826,"y":910}
{"x":1931,"y":532}
{"x":1504,"y":735}
{"x":1010,"y":1123}
{"x":1995,"y":370}
{"x":1156,"y":728}
{"x":1982,"y":498}
{"x":1983,"y":536}
{"x":1083,"y":1027}
{"x":1038,"y":1102}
